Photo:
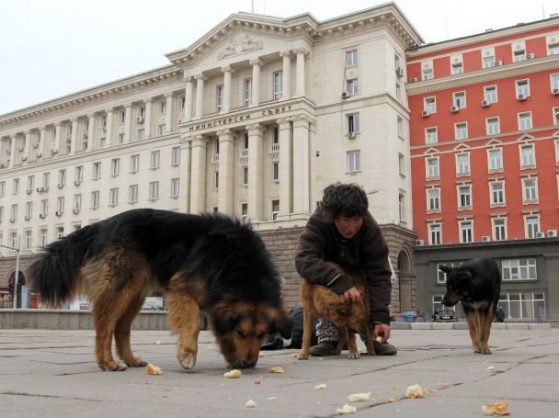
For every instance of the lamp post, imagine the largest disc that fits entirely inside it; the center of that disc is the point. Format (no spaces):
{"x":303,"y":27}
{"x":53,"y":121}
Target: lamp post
{"x":16,"y":276}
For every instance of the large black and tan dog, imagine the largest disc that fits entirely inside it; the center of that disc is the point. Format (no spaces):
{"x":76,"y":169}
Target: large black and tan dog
{"x":208,"y":263}
{"x":477,"y":283}
{"x":320,"y":302}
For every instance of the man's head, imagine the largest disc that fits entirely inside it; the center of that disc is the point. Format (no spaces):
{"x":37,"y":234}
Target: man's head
{"x":348,"y":205}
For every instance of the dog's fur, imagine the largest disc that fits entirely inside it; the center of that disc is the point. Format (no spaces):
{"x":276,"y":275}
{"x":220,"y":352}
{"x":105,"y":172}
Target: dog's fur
{"x":320,"y":302}
{"x":208,"y":263}
{"x":477,"y":283}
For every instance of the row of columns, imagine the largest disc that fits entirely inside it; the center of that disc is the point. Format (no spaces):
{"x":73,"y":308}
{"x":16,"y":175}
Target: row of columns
{"x":194,"y":105}
{"x":294,"y":169}
{"x":92,"y":121}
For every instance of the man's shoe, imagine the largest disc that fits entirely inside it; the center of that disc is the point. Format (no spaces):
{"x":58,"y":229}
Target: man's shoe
{"x":325,"y":348}
{"x":384,"y":349}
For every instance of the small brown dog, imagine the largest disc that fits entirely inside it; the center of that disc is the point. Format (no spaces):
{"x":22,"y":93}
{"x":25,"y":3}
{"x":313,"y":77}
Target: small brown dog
{"x":320,"y":302}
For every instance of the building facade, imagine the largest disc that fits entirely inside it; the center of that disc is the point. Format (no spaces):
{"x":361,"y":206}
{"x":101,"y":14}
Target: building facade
{"x":254,"y":120}
{"x":484,"y":135}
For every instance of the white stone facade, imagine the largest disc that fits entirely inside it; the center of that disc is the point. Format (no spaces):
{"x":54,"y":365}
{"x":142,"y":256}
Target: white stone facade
{"x":254,"y":119}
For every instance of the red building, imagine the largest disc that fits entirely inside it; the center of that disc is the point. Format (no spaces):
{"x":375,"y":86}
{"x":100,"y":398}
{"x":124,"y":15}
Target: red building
{"x":484,"y":136}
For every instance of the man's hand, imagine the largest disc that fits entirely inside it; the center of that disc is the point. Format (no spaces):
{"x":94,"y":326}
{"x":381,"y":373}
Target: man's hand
{"x":352,"y":296}
{"x":381,"y":330}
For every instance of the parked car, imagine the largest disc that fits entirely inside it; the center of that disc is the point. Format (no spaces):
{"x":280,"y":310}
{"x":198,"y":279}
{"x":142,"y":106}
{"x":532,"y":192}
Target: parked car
{"x":410,"y":316}
{"x":444,"y":315}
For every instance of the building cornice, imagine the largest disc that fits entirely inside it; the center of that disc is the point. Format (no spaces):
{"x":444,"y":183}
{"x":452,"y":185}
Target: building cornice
{"x":550,"y":62}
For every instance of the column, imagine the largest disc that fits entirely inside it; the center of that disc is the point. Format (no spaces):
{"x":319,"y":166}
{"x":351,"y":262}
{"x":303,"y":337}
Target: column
{"x":169,"y":114}
{"x":301,"y":175}
{"x":286,"y":89}
{"x":285,"y":167}
{"x":13,"y":150}
{"x":57,"y":138}
{"x":90,"y":132}
{"x":199,"y":96}
{"x":26,"y":146}
{"x":226,"y":173}
{"x":255,"y":172}
{"x":185,"y":174}
{"x":110,"y":124}
{"x":198,"y":174}
{"x":226,"y":105}
{"x":42,"y":149}
{"x":256,"y":64}
{"x":147,"y":121}
{"x":301,"y":72}
{"x":188,"y":98}
{"x":74,"y":137}
{"x":127,"y":123}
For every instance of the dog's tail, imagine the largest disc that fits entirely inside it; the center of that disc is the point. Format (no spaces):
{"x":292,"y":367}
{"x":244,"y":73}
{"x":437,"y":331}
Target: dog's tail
{"x":55,"y":275}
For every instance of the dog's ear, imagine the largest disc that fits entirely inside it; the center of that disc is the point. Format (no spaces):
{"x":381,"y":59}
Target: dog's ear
{"x":282,"y":323}
{"x":464,"y":275}
{"x":445,"y":269}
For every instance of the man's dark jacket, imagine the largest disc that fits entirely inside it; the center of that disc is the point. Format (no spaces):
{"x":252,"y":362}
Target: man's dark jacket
{"x":365,"y":252}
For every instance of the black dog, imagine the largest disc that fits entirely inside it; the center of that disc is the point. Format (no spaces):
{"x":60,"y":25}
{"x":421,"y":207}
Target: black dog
{"x":477,"y":283}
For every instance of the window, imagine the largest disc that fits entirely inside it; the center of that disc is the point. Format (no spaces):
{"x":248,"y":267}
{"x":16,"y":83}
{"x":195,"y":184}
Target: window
{"x":522,"y":89}
{"x":492,"y":126}
{"x":245,"y":142}
{"x":489,"y":61}
{"x":457,"y":68}
{"x":245,"y":176}
{"x":434,"y":200}
{"x":43,"y":237}
{"x":28,"y":240}
{"x":353,"y":161}
{"x":432,"y":165}
{"x":14,"y":210}
{"x":400,"y":127}
{"x":247,"y":91}
{"x":78,"y":174}
{"x":244,"y":212}
{"x":461,"y":130}
{"x":466,"y":231}
{"x":402,"y":164}
{"x":216,"y":179}
{"x":519,"y":55}
{"x":30,"y":184}
{"x":44,"y":207}
{"x":15,"y":186}
{"x":113,"y":196}
{"x":1,"y":215}
{"x":141,"y":134}
{"x":490,"y":94}
{"x":465,"y":197}
{"x":95,"y":199}
{"x":351,"y":58}
{"x":2,"y":188}
{"x":275,"y":136}
{"x":28,"y":210}
{"x":556,"y":115}
{"x":495,"y":157}
{"x":141,"y":113}
{"x":352,"y":123}
{"x":162,"y":107}
{"x":122,"y":116}
{"x":77,"y":202}
{"x":60,"y":203}
{"x":275,"y":171}
{"x":61,"y":178}
{"x":115,"y":167}
{"x":552,"y":47}
{"x":499,"y":229}
{"x":96,"y":170}
{"x":427,"y":73}
{"x":431,"y":135}
{"x":175,"y":156}
{"x":529,"y":190}
{"x":154,"y":190}
{"x":352,"y":87}
{"x":277,"y":86}
{"x":459,"y":99}
{"x":402,"y":207}
{"x":154,"y":160}
{"x":134,"y":163}
{"x":219,"y":97}
{"x":275,"y":209}
{"x":557,"y":151}
{"x":175,"y":188}
{"x":161,"y":129}
{"x":554,"y":78}
{"x":525,"y":121}
{"x":59,"y":232}
{"x":429,"y":105}
{"x":435,"y":234}
{"x":527,"y":156}
{"x":133,"y":193}
{"x":519,"y":269}
{"x":529,"y":305}
{"x":14,"y":240}
{"x":463,"y":164}
{"x":531,"y":226}
{"x":497,"y":193}
{"x":121,"y":138}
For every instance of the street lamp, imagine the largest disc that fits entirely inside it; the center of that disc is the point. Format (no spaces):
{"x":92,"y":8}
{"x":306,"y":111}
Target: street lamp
{"x":16,"y":276}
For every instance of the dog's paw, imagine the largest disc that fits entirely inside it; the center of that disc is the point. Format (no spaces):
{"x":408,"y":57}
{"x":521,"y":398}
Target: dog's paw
{"x":353,"y":356}
{"x":302,"y":356}
{"x":113,"y":366}
{"x":187,"y":360}
{"x":485,"y":351}
{"x":136,"y":362}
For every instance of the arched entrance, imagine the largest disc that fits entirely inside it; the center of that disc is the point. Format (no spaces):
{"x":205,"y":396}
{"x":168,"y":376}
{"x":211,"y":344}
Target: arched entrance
{"x":405,"y":279}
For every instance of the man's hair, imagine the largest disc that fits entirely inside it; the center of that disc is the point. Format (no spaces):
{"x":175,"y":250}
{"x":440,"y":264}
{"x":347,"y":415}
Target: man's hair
{"x":348,"y":200}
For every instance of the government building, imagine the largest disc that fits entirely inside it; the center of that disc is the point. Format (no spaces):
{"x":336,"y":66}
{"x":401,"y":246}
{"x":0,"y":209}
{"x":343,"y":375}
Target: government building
{"x":261,"y":113}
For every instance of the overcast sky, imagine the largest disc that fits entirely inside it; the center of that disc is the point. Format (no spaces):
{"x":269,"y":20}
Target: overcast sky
{"x":51,"y":48}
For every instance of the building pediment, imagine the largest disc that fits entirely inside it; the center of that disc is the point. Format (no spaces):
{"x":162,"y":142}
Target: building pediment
{"x":241,"y":44}
{"x":461,"y":148}
{"x":525,"y":138}
{"x":494,"y":143}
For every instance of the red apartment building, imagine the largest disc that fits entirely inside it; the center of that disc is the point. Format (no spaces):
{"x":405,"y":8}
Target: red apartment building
{"x":484,"y":137}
